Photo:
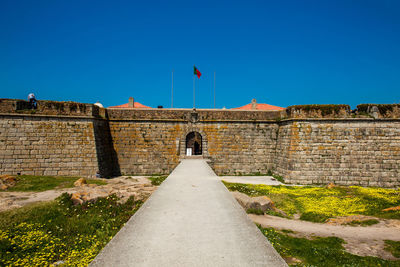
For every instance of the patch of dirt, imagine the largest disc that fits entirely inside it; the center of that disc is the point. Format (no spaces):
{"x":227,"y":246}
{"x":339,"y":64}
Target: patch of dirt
{"x":360,"y":240}
{"x":370,"y":248}
{"x":350,"y":219}
{"x":124,"y":186}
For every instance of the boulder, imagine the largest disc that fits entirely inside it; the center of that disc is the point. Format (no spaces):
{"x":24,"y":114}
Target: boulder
{"x":76,"y":199}
{"x":330,"y":185}
{"x":80,"y":182}
{"x":8,"y":178}
{"x":7,"y":181}
{"x":243,"y":199}
{"x":129,"y":187}
{"x":262,"y":203}
{"x":80,"y":198}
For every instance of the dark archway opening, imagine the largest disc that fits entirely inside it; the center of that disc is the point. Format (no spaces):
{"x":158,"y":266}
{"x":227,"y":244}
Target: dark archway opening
{"x":193,"y":144}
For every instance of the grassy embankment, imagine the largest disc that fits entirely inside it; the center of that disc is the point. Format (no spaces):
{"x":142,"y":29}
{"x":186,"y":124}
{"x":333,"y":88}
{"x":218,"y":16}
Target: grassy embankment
{"x":57,"y":231}
{"x":317,"y":204}
{"x":32,"y":183}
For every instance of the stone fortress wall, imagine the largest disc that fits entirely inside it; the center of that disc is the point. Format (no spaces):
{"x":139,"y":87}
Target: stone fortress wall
{"x":59,"y":138}
{"x":311,"y":144}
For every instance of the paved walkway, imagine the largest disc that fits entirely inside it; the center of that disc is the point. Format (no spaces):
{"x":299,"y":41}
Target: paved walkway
{"x":191,"y":220}
{"x":267,"y":180}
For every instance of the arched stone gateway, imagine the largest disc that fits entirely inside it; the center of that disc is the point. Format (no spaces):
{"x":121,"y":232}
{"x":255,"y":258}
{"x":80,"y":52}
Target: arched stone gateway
{"x":194,"y":144}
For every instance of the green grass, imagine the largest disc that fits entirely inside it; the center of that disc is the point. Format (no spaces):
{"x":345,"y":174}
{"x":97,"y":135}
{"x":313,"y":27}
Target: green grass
{"x":44,"y":233}
{"x":255,"y":211}
{"x":363,"y":223}
{"x":393,"y":247}
{"x":319,"y":251}
{"x":313,"y":217}
{"x":279,"y":178}
{"x":157,"y":180}
{"x":31,"y":183}
{"x":317,"y":204}
{"x":276,"y":176}
{"x":287,"y":231}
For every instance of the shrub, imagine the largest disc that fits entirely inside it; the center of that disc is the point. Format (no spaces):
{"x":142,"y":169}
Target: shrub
{"x":383,"y":108}
{"x":325,"y":110}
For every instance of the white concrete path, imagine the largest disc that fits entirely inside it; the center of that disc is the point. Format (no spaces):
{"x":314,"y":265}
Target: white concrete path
{"x":191,"y":220}
{"x":266,"y":180}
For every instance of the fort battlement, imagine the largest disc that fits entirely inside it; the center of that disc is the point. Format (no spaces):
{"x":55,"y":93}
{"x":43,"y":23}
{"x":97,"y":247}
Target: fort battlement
{"x":309,"y":144}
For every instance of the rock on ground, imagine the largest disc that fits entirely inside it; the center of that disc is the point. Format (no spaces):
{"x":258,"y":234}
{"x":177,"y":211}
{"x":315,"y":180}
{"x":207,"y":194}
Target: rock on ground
{"x":124,"y":186}
{"x":80,"y":182}
{"x":7,"y":181}
{"x":261,"y":203}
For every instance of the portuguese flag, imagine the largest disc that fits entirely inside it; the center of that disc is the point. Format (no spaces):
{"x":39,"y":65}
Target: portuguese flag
{"x":197,"y":72}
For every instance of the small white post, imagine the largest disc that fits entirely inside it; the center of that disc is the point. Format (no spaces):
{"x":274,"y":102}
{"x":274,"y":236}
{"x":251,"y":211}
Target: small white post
{"x":194,"y":92}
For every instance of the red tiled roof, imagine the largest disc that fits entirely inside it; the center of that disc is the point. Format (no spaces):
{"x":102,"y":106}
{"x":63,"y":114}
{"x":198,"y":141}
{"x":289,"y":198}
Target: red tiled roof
{"x":259,"y":107}
{"x":135,"y":105}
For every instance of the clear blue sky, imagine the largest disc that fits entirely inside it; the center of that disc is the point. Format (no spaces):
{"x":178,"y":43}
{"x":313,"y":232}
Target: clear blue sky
{"x":279,"y":52}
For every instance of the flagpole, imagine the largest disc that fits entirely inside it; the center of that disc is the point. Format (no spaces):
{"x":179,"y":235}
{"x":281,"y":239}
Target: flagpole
{"x":214,"y":89}
{"x":172,"y":90}
{"x":194,"y":93}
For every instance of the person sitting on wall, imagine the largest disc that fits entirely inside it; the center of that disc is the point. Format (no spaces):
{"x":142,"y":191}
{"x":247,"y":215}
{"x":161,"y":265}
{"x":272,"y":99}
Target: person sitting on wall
{"x":32,"y":101}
